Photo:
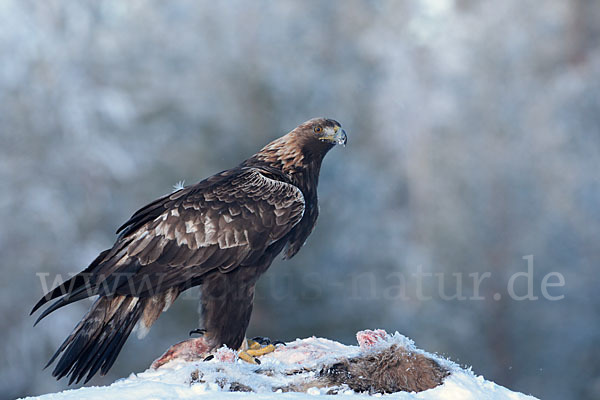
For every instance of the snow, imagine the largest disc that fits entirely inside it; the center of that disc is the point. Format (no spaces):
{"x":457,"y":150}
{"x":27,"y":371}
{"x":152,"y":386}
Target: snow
{"x":290,"y":372}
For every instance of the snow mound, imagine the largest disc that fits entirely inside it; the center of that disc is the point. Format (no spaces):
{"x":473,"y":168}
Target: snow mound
{"x":305,"y":368}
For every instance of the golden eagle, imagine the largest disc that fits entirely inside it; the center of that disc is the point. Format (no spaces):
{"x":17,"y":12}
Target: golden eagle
{"x":221,"y":233}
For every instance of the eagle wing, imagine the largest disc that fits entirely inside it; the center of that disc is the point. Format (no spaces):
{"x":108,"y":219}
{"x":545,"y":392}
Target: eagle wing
{"x":221,"y":223}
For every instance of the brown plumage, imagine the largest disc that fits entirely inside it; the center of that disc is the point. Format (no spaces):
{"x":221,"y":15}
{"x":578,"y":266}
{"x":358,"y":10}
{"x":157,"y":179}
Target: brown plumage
{"x":221,"y":233}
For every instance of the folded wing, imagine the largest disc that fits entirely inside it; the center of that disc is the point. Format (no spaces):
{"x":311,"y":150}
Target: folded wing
{"x":221,"y":223}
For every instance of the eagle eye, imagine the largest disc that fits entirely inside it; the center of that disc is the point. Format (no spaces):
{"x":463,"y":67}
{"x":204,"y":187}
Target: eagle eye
{"x":318,"y":129}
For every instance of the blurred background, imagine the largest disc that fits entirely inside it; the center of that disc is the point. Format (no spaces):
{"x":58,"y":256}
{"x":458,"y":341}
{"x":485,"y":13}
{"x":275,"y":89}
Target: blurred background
{"x":473,"y":142}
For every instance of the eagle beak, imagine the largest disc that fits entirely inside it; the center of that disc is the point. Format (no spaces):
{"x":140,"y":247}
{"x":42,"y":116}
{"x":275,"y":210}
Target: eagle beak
{"x":336,"y":136}
{"x":340,"y":137}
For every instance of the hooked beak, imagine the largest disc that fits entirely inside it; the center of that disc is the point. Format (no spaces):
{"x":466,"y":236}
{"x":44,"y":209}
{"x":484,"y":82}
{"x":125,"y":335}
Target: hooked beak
{"x":340,"y":137}
{"x":336,"y":136}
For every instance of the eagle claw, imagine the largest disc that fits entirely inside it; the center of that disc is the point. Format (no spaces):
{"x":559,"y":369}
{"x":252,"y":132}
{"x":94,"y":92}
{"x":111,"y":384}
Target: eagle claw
{"x":249,"y":358}
{"x":199,"y":331}
{"x":265,"y":341}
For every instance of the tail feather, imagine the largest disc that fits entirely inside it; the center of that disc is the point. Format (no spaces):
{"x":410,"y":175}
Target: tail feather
{"x":64,"y":344}
{"x":107,"y":357}
{"x":97,"y":340}
{"x":91,"y":352}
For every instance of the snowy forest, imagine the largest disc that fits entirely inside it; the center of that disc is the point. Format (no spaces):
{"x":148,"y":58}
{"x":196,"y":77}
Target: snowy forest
{"x":463,"y":213}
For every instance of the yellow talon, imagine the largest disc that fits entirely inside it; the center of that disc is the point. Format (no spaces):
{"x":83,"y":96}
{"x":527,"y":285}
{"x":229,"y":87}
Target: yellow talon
{"x":261,"y":350}
{"x":252,"y":345}
{"x":252,"y":349}
{"x":243,"y":355}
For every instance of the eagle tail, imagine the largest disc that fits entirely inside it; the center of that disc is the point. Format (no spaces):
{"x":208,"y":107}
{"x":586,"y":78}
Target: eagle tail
{"x":98,"y":338}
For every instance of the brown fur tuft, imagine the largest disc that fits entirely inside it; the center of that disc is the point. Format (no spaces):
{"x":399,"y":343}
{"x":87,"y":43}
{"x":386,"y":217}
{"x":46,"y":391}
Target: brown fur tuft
{"x":392,"y":370}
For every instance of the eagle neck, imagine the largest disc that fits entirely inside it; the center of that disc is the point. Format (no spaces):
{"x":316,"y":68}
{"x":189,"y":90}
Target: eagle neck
{"x":306,"y":177}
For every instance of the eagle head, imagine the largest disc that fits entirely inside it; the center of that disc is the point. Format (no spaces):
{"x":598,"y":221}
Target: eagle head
{"x":325,"y":130}
{"x":302,"y":149}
